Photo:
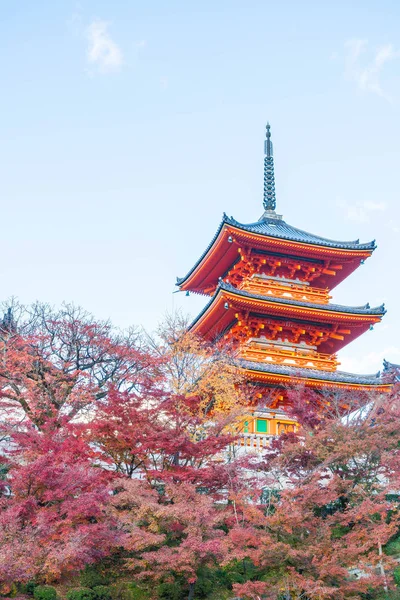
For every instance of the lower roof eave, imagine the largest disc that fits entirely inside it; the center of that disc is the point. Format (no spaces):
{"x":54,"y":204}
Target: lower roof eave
{"x":313,"y":379}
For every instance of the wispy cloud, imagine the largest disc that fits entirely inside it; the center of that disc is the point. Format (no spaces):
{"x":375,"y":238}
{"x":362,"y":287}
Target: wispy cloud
{"x":361,"y":212}
{"x":103,"y":54}
{"x":367,"y":74}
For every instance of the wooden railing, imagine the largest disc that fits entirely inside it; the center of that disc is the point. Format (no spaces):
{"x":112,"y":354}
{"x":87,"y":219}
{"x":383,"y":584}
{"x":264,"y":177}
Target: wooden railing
{"x":255,"y":441}
{"x":292,"y":357}
{"x":289,"y":291}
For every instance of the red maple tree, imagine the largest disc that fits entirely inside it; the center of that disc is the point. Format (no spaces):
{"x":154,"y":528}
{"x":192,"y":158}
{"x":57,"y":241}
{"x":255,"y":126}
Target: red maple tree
{"x":332,"y":509}
{"x":53,"y":512}
{"x":161,"y":437}
{"x":175,"y":532}
{"x":58,"y":364}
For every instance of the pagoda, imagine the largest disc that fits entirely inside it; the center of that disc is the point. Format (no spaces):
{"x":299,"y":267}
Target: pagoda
{"x":270,"y":286}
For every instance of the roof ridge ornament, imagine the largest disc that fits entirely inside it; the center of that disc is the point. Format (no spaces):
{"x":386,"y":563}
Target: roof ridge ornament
{"x":269,"y":201}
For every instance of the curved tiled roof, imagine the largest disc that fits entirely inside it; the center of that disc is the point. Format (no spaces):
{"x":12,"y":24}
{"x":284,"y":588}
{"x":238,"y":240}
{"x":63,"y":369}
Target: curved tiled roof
{"x":388,"y":365}
{"x":357,"y":310}
{"x":277,"y":228}
{"x":391,"y":370}
{"x":335,"y":376}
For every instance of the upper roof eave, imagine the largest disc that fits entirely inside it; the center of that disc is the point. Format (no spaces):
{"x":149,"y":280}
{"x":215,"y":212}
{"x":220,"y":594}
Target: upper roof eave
{"x":269,"y":227}
{"x":266,"y":227}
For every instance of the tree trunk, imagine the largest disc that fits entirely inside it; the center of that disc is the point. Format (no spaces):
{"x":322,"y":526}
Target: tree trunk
{"x":382,"y":569}
{"x":191,"y":591}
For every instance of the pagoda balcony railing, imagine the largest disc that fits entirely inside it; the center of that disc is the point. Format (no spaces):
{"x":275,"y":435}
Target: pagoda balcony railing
{"x":291,"y":357}
{"x":255,"y":441}
{"x":272,"y":287}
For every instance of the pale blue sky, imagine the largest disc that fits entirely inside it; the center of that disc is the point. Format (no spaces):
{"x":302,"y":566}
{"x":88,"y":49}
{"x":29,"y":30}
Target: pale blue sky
{"x":127,"y":128}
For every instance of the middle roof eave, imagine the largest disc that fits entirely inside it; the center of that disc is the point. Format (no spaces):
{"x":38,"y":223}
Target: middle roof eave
{"x":359,"y":310}
{"x":378,"y":311}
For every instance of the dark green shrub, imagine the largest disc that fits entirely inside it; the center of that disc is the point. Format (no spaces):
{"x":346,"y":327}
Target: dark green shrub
{"x":127,"y":591}
{"x":44,"y":592}
{"x":391,"y":595}
{"x":204,"y":587}
{"x":138,"y":593}
{"x":102,"y":592}
{"x":392,"y":548}
{"x":28,"y":588}
{"x":170,"y":591}
{"x":121,"y":591}
{"x":339,"y":531}
{"x":92,"y":576}
{"x":237,"y":572}
{"x":81,"y":594}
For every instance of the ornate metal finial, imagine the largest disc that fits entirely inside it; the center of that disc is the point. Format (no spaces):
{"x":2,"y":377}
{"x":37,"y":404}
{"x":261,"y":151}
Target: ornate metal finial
{"x":269,"y":177}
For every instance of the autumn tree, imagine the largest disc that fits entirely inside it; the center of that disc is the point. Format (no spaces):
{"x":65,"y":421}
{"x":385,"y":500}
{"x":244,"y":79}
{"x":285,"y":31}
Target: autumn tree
{"x":193,"y":367}
{"x":59,"y":363}
{"x":161,"y":437}
{"x":55,"y":367}
{"x":180,"y":422}
{"x":53,"y":511}
{"x":313,"y":408}
{"x":82,"y":405}
{"x":175,"y":532}
{"x":324,"y":533}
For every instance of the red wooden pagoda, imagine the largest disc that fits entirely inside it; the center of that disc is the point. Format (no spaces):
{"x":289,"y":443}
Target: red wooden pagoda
{"x":270,"y":287}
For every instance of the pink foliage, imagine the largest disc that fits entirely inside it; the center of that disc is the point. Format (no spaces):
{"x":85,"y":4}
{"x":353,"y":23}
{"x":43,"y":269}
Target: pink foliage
{"x":181,"y":515}
{"x":55,"y":520}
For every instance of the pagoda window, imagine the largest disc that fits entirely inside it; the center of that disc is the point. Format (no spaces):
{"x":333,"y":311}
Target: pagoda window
{"x":261,"y":426}
{"x":246,"y":427}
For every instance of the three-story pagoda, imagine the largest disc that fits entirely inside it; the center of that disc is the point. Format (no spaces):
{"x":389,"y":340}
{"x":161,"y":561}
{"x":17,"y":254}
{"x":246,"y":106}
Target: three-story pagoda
{"x":270,"y":287}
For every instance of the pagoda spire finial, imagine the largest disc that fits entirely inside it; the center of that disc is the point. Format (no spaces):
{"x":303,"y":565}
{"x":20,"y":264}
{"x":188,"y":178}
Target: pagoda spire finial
{"x":269,"y":177}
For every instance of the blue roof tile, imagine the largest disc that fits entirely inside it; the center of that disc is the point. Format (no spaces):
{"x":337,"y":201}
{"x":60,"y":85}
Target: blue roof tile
{"x":336,"y":376}
{"x":277,"y":228}
{"x":357,"y":310}
{"x":391,"y":370}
